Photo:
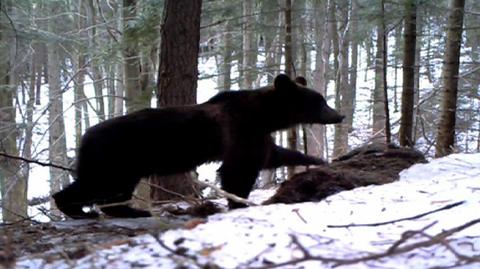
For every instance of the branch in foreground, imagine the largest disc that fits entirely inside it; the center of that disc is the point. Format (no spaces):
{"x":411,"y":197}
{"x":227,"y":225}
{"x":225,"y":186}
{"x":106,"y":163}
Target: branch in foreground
{"x":394,"y":250}
{"x":449,"y":206}
{"x":49,"y":164}
{"x":225,"y":194}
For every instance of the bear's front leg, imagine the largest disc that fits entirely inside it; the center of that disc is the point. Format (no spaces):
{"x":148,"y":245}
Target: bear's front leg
{"x":286,"y":157}
{"x":238,"y":180}
{"x":240,"y":168}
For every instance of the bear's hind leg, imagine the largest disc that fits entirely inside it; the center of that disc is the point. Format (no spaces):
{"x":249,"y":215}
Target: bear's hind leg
{"x":119,"y":198}
{"x":71,"y":201}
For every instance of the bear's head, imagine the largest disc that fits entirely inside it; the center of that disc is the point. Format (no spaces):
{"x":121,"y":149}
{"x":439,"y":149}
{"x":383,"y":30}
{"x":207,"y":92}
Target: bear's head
{"x":304,"y":105}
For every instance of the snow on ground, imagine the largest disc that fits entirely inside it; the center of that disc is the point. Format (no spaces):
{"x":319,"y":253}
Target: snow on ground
{"x":265,"y":235}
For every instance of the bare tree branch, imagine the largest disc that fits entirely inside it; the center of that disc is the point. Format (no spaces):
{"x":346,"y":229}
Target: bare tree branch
{"x":48,"y":164}
{"x":397,"y":220}
{"x":394,"y":250}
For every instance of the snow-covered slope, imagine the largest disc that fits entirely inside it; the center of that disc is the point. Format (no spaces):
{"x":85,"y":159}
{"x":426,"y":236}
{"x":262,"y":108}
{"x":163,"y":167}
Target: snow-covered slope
{"x":267,"y":235}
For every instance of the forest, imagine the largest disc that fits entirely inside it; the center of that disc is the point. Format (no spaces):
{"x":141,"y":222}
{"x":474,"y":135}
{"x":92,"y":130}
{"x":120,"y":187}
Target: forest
{"x":403,"y":73}
{"x":398,"y":71}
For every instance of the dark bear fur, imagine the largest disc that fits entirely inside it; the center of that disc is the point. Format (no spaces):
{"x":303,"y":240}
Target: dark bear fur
{"x":232,"y":127}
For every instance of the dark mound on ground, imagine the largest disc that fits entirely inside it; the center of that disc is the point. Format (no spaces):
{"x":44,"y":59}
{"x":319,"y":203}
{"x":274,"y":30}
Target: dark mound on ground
{"x":373,"y":164}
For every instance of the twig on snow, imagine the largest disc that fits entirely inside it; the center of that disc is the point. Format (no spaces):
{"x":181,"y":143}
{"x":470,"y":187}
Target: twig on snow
{"x":449,"y":206}
{"x":225,"y":194}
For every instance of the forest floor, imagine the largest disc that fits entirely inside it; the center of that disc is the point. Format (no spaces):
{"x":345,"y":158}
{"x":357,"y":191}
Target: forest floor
{"x":429,"y":218}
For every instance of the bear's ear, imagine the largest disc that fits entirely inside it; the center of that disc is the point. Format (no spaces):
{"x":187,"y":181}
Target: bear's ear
{"x":301,"y":80}
{"x":283,"y":82}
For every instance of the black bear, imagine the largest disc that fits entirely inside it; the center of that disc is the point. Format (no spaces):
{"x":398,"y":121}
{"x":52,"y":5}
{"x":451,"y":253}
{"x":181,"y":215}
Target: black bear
{"x":233,"y":127}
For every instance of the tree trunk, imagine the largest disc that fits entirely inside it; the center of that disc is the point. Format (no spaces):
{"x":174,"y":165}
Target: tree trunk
{"x":351,"y":93}
{"x":111,"y":90}
{"x":273,"y":67}
{"x":416,"y":97}
{"x":340,"y":145}
{"x":388,"y":136}
{"x":249,"y":45}
{"x":177,"y":75}
{"x":406,"y":121}
{"x":379,"y":117}
{"x":96,"y":69}
{"x":78,"y":94}
{"x":12,"y":185}
{"x":292,"y":137}
{"x":119,"y":69}
{"x":136,"y":98}
{"x":119,"y":91}
{"x":57,"y":140}
{"x":79,"y":66}
{"x":316,"y":132}
{"x":396,"y":62}
{"x":451,"y":61}
{"x":224,"y":80}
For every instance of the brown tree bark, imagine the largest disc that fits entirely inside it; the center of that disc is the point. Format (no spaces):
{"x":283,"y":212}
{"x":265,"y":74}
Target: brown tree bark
{"x":406,"y":120}
{"x":13,"y":186}
{"x":249,"y":45}
{"x":224,"y":80}
{"x":386,"y":107}
{"x":79,"y":66}
{"x":292,"y":137}
{"x":340,"y":144}
{"x":352,"y":85}
{"x":135,"y":97}
{"x":57,"y":141}
{"x":316,"y":132}
{"x":96,"y":72}
{"x":379,"y":116}
{"x":177,"y":75}
{"x":451,"y":62}
{"x":416,"y":97}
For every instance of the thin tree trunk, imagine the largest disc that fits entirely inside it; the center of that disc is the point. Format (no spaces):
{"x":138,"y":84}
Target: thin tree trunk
{"x":369,"y":55}
{"x":13,"y":186}
{"x":79,"y":80}
{"x":136,"y":99}
{"x":340,"y":146}
{"x":249,"y":45}
{"x":177,"y":76}
{"x":351,"y":93}
{"x":316,"y":133}
{"x":119,"y":90}
{"x":78,"y":97}
{"x":57,"y":140}
{"x":119,"y":69}
{"x":406,"y":120}
{"x":111,"y":90}
{"x":396,"y":62}
{"x":388,"y":136}
{"x":136,"y":96}
{"x":451,"y":61}
{"x":292,"y":136}
{"x":96,"y":69}
{"x":304,"y":70}
{"x":224,"y":81}
{"x":416,"y":97}
{"x":379,"y":116}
